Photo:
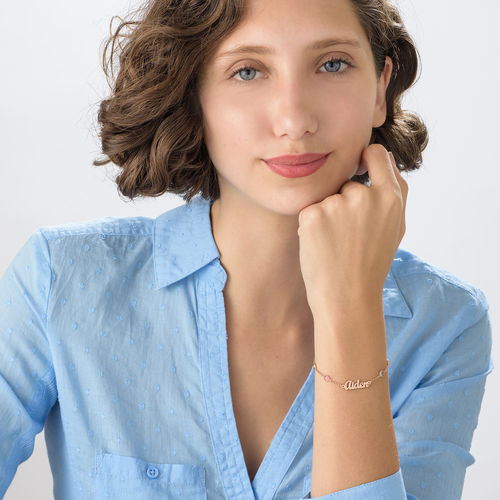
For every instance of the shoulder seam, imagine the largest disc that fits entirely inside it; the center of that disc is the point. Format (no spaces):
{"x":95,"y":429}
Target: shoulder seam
{"x":50,"y":281}
{"x":112,"y":226}
{"x":67,"y":233}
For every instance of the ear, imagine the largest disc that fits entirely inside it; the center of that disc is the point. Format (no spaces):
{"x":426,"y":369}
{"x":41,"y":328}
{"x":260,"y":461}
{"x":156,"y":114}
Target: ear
{"x":380,"y":112}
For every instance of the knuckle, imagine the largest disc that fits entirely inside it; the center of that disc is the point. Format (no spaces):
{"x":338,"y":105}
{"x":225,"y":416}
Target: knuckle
{"x":330,"y":205}
{"x":308,"y":215}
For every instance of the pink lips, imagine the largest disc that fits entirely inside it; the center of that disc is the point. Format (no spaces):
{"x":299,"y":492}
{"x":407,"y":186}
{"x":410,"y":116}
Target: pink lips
{"x":295,"y":159}
{"x":297,"y":165}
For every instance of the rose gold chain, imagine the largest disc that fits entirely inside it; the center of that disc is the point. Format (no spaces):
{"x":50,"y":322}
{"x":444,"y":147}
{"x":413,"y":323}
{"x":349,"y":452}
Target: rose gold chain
{"x":350,"y":385}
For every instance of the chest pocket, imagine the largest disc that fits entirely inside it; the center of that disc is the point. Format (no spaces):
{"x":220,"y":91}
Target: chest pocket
{"x":128,"y":478}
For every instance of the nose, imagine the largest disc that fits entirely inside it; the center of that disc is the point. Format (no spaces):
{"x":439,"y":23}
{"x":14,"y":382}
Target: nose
{"x":293,"y":110}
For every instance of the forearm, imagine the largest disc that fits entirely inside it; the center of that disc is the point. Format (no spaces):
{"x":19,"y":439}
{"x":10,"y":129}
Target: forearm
{"x":354,"y":439}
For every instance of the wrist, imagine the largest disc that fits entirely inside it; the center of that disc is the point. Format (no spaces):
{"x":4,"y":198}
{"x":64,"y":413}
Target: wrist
{"x":351,"y":338}
{"x":332,"y":309}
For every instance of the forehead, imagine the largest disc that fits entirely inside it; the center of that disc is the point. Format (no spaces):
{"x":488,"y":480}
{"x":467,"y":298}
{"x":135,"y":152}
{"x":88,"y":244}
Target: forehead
{"x":270,"y":26}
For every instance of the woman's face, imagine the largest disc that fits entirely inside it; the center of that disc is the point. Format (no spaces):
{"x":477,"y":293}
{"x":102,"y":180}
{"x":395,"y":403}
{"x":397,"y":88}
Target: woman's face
{"x":290,"y":101}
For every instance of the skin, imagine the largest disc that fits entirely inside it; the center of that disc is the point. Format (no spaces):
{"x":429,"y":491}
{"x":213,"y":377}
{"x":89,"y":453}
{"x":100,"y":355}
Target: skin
{"x":347,"y":245}
{"x":292,"y":103}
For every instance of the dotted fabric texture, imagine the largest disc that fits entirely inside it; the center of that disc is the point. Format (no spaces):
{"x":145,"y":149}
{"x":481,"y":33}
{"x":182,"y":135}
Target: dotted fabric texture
{"x":112,"y":336}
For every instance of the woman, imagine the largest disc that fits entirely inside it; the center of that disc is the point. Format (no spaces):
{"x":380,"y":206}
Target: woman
{"x":268,"y":338}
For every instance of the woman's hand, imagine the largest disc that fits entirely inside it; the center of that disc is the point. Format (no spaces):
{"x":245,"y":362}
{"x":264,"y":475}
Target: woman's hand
{"x":348,"y":241}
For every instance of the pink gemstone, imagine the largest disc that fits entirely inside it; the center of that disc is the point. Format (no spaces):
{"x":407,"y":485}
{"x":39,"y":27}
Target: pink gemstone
{"x":327,"y":378}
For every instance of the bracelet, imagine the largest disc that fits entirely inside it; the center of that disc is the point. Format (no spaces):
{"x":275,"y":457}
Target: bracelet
{"x":350,"y":385}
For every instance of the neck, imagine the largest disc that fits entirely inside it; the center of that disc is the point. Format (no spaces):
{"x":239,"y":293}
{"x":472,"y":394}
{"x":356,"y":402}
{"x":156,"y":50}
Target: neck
{"x":265,"y":294}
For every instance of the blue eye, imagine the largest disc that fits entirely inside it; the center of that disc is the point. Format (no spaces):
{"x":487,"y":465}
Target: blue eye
{"x":244,"y":68}
{"x":337,"y":63}
{"x":336,"y":66}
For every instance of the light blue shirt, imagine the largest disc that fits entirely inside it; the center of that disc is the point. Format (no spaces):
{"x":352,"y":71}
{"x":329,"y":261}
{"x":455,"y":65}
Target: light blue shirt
{"x":112,"y":335}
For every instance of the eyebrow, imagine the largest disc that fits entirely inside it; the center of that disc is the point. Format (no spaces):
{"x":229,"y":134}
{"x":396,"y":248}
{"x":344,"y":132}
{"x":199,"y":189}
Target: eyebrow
{"x":261,"y":49}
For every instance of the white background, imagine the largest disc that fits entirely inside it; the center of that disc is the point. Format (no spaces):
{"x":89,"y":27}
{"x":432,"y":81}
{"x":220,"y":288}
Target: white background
{"x":50,"y":85}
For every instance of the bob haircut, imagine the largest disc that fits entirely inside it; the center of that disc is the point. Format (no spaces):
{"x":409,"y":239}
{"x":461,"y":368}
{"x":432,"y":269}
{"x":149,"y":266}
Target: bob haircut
{"x":151,"y":125}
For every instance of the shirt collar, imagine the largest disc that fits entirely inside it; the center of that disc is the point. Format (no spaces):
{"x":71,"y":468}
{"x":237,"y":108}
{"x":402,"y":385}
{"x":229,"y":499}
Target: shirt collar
{"x":183,"y":243}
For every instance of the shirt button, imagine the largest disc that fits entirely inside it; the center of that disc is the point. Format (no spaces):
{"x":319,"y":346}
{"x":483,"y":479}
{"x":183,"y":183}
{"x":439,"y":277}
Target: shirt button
{"x":152,"y":472}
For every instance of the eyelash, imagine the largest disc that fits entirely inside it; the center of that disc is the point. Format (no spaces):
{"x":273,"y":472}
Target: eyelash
{"x":335,"y":59}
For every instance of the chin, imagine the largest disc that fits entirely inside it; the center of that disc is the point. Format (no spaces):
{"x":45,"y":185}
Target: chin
{"x":293,"y":203}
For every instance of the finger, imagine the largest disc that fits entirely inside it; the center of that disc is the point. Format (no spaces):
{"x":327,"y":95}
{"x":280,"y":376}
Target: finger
{"x":351,"y":185}
{"x":376,"y":158}
{"x":403,"y":185}
{"x":402,"y":182}
{"x":404,"y":191}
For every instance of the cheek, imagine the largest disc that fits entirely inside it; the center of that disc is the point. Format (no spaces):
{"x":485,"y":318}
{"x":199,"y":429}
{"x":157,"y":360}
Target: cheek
{"x":348,"y":116}
{"x":236,"y":118}
{"x":348,"y":112}
{"x":228,"y":135}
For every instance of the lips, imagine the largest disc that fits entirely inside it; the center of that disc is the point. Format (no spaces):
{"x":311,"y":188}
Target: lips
{"x":296,"y":159}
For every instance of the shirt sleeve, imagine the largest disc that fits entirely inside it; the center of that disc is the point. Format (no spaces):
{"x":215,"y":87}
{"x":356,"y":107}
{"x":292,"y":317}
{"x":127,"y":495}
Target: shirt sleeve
{"x":27,"y":381}
{"x":435,"y":424}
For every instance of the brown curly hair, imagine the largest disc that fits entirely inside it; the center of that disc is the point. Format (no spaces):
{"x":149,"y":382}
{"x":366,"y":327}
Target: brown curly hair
{"x":151,"y":125}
